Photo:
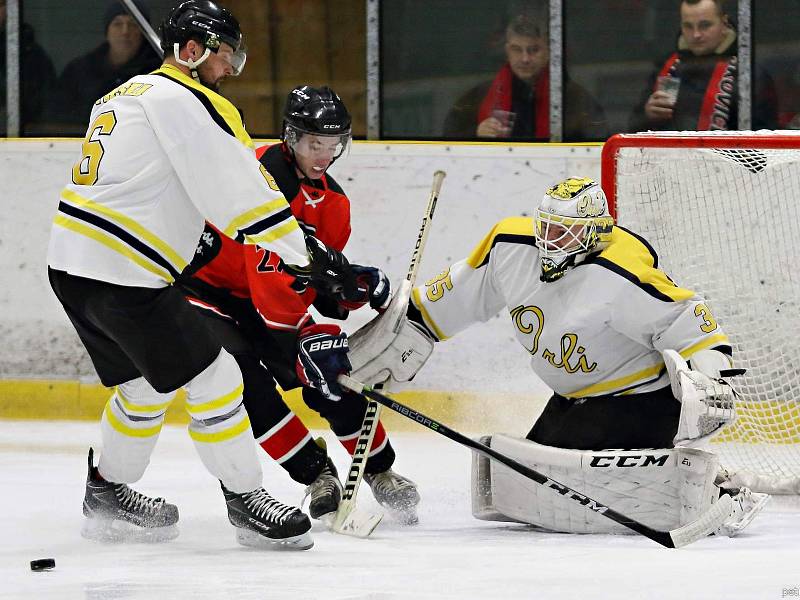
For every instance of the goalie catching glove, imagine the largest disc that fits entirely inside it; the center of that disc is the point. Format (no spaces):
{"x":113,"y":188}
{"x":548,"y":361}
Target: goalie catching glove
{"x":390,"y":345}
{"x":708,"y":402}
{"x":321,"y":358}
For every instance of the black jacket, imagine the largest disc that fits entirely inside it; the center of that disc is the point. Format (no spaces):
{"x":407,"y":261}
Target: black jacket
{"x":89,"y":77}
{"x":584,"y":119}
{"x":695,"y":73}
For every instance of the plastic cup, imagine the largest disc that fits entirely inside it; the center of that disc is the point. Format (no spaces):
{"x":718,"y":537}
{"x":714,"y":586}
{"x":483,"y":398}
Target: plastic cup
{"x":670,"y":86}
{"x":506,"y":119}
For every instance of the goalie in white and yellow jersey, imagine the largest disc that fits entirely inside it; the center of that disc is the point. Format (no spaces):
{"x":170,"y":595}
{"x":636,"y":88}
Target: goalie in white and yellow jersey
{"x":611,"y":334}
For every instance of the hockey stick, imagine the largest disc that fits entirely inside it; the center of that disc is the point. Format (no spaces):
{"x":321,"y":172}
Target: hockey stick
{"x":149,"y":33}
{"x":345,"y":520}
{"x":704,"y":525}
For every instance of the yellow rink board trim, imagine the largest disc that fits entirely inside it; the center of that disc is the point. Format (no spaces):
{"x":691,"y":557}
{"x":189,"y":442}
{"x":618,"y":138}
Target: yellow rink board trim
{"x":74,"y":401}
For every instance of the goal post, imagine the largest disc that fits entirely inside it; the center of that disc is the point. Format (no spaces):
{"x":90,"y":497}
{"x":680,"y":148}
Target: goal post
{"x":722,"y":211}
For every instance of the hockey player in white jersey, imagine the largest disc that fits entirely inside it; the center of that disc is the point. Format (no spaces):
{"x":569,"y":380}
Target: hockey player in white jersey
{"x":610,"y":333}
{"x":162,"y":153}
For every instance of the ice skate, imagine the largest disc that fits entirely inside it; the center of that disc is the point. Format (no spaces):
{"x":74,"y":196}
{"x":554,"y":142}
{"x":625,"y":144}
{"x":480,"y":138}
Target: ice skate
{"x":746,"y":505}
{"x":395,"y":493}
{"x":114,"y":512}
{"x":261,"y":521}
{"x":325,"y":492}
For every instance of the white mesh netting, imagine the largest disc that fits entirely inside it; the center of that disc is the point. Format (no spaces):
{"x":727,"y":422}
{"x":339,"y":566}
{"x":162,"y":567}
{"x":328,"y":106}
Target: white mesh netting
{"x":726,"y":223}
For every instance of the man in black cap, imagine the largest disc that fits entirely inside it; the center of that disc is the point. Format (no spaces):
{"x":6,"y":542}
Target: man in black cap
{"x":123,"y":54}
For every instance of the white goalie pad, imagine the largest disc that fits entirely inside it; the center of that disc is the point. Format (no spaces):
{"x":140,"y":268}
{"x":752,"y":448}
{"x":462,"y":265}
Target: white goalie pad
{"x":707,"y":402}
{"x":390,"y":345}
{"x":663,"y":489}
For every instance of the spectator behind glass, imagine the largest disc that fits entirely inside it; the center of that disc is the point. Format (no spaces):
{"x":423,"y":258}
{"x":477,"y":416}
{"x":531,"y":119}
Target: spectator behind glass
{"x":123,"y":54}
{"x":37,"y":76}
{"x":516,"y":104}
{"x":704,"y":70}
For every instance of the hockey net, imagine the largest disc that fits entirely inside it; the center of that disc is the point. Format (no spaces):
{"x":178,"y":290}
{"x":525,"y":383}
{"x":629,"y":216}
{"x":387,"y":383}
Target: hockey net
{"x":722,"y":210}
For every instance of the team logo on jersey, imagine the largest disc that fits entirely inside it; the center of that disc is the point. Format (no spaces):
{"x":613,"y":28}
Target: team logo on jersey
{"x":311,"y":201}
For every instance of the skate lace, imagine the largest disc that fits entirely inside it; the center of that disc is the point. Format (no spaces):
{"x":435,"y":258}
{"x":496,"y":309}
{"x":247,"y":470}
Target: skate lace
{"x":325,"y":484}
{"x":389,"y":481}
{"x":266,"y":507}
{"x":134,"y":501}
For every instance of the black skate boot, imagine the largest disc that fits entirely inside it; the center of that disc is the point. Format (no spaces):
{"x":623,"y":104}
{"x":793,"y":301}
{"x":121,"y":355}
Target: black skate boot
{"x":325,"y":491}
{"x":114,"y":512}
{"x":261,"y":521}
{"x":396,"y":493}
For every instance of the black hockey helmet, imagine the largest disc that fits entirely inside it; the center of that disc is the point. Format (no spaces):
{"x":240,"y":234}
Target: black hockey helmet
{"x":204,"y":21}
{"x":315,"y":111}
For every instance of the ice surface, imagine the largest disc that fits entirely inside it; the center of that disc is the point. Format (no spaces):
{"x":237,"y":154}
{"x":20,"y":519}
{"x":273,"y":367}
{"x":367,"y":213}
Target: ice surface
{"x":448,"y":555}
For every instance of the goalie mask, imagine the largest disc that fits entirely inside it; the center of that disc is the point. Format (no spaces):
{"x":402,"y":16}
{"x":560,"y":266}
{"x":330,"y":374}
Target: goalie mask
{"x":572,"y":221}
{"x":316,"y":128}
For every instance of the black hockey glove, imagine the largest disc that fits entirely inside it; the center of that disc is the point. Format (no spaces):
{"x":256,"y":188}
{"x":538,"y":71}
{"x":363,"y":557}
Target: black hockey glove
{"x":321,"y":358}
{"x":373,"y":287}
{"x":329,"y":272}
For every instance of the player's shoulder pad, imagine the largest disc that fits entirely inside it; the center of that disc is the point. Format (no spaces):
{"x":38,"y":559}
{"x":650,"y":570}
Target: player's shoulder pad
{"x":282,"y":170}
{"x":512,"y":230}
{"x":632,"y":257}
{"x":220,"y":109}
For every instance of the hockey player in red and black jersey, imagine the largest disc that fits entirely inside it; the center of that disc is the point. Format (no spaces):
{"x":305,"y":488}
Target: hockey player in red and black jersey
{"x":263,"y":319}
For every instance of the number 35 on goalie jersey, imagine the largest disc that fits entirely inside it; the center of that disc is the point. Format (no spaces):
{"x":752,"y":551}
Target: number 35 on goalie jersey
{"x":598,"y":330}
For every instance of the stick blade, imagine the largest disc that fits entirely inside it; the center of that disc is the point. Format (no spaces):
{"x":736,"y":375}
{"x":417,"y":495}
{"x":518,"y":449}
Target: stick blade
{"x":705,"y":525}
{"x":354,"y":522}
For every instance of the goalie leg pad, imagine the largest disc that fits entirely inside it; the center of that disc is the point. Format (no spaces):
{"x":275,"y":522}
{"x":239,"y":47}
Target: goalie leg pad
{"x":661,"y":488}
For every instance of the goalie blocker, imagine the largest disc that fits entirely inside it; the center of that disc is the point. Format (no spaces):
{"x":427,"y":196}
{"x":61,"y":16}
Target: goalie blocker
{"x":390,"y":345}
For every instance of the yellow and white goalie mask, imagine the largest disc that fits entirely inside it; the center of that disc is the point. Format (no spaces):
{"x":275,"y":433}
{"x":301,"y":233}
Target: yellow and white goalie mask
{"x":571,"y":222}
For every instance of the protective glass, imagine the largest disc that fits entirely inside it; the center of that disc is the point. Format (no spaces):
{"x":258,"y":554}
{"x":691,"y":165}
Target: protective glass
{"x":317,"y":147}
{"x":236,"y":58}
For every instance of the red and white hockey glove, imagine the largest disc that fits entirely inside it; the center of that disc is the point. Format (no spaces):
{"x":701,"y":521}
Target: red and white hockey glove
{"x":321,"y":358}
{"x":373,"y":287}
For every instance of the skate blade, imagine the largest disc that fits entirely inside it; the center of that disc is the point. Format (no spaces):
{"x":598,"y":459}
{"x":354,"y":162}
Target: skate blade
{"x":251,"y":539}
{"x":357,"y":523}
{"x":113,"y":531}
{"x":406,"y":517}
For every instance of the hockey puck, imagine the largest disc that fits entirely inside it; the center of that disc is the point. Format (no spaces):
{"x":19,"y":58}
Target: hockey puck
{"x":43,"y":564}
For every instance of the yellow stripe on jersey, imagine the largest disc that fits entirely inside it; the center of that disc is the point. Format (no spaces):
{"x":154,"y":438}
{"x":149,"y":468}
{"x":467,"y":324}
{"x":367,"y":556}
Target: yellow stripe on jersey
{"x":635,"y":258}
{"x":254,"y":214}
{"x":112,"y":243}
{"x":514,"y":226}
{"x":417,"y":300}
{"x":273,"y":234}
{"x":613,"y":385}
{"x":221,"y":104}
{"x":714,"y":340}
{"x":128,"y":223}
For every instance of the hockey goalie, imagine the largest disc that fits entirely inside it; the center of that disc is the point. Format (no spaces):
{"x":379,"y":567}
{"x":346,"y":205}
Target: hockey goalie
{"x":640,"y":369}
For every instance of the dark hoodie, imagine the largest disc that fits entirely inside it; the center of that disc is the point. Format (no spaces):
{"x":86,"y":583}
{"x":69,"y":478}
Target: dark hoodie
{"x":89,"y":77}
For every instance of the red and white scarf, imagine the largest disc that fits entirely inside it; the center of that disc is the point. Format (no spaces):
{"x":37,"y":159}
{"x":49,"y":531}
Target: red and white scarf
{"x":499,"y":98}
